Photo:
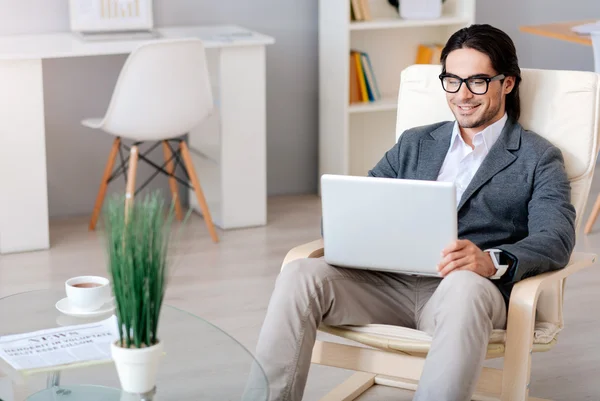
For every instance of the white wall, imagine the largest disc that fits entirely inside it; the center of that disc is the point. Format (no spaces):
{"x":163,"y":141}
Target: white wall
{"x":80,"y":88}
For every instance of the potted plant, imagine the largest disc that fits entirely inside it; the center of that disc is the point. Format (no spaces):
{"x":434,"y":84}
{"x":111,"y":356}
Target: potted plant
{"x":138,"y":235}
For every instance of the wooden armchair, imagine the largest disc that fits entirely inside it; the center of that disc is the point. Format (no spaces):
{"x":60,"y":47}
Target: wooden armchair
{"x":564,"y":107}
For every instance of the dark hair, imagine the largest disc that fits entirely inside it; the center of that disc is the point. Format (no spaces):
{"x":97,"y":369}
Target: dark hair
{"x":499,"y":47}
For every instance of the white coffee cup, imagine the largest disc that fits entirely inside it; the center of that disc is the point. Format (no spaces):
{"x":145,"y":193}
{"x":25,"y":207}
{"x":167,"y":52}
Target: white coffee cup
{"x":87,"y":293}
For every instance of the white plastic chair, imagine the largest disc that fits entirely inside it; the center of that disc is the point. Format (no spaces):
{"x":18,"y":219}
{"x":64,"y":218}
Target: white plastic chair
{"x":163,"y":92}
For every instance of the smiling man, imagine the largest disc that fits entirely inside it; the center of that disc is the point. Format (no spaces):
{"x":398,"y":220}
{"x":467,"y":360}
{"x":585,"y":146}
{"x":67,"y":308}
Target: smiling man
{"x":515,"y":220}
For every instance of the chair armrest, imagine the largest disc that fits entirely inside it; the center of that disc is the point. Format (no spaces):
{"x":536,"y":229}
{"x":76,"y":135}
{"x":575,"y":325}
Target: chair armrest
{"x":310,"y":250}
{"x":521,"y":322}
{"x":527,"y":291}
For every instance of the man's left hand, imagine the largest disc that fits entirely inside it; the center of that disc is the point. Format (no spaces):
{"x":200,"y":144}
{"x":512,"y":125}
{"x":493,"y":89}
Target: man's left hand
{"x":465,"y":255}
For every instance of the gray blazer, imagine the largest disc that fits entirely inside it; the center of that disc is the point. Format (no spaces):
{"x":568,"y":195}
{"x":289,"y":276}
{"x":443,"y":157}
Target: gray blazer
{"x":518,"y":201}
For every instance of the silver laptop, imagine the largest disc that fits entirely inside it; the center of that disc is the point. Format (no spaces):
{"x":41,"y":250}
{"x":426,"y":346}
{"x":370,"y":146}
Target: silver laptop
{"x":387,"y":224}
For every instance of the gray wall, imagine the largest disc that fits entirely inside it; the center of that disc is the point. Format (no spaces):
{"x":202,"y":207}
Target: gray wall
{"x":81,"y":88}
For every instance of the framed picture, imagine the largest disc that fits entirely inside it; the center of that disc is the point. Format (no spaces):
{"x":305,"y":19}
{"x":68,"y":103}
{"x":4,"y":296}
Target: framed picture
{"x":110,"y":15}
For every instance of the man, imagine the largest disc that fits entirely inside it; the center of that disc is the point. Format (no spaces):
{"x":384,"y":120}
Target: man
{"x":515,"y":220}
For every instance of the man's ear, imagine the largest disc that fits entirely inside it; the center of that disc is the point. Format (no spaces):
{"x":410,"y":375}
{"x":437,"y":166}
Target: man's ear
{"x":509,"y":84}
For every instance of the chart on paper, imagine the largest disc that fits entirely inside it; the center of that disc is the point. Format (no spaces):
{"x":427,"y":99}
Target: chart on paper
{"x":119,"y":8}
{"x":90,"y":15}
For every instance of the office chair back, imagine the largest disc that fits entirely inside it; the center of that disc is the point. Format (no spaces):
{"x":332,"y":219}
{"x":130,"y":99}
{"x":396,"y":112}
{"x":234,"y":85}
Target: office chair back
{"x":163,"y":91}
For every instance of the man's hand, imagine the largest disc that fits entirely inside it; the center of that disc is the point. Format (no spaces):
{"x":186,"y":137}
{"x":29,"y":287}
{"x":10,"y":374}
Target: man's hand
{"x":465,"y":255}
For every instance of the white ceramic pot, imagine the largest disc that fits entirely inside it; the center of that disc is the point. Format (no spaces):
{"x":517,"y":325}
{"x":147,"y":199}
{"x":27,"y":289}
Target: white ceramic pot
{"x":137,"y":367}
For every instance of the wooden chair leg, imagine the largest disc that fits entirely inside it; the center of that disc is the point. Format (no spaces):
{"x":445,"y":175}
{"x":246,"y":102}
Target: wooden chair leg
{"x":352,"y":388}
{"x":519,"y":345}
{"x":102,"y":191}
{"x":593,"y":216}
{"x":187,"y":159}
{"x":131,"y":175}
{"x":172,"y":181}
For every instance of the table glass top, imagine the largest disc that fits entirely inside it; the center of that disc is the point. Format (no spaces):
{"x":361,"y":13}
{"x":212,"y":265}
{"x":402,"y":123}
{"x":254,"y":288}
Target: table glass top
{"x":201,"y":361}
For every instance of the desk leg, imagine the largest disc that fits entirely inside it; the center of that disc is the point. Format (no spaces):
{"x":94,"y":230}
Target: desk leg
{"x":23,"y":183}
{"x":596,"y":52}
{"x":233,"y":173}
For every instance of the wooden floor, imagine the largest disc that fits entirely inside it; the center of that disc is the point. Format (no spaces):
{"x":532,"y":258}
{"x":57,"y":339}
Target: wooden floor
{"x":230,"y":284}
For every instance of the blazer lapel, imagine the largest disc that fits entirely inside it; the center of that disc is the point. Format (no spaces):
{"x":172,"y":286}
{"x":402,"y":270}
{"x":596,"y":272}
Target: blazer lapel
{"x":498,"y":158}
{"x":432,"y":152}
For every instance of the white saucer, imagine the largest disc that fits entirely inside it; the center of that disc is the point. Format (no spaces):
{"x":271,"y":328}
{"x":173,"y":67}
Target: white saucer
{"x":65,"y":307}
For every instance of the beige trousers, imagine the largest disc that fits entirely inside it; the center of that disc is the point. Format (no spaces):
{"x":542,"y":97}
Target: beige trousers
{"x":459,"y":312}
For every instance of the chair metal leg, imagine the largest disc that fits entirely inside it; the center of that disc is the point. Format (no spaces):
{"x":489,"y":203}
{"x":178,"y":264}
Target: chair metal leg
{"x":105,"y":179}
{"x":185,"y":153}
{"x":172,"y":182}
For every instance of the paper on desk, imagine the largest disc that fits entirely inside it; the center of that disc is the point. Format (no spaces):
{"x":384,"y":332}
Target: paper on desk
{"x":587,"y":29}
{"x":59,"y":347}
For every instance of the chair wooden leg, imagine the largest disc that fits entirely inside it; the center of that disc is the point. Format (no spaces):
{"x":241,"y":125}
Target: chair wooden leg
{"x":593,"y":216}
{"x":484,"y":391}
{"x":131,"y":175}
{"x":102,"y":191}
{"x":187,"y":159}
{"x":519,"y":346}
{"x":172,"y":181}
{"x":352,"y":388}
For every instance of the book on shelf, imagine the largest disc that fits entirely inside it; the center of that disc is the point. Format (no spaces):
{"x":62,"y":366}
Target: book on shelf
{"x":363,"y":84}
{"x":429,"y":54}
{"x":360,"y":10}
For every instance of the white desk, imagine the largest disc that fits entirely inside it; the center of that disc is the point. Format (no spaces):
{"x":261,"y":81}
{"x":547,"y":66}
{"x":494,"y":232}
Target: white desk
{"x":232,"y":143}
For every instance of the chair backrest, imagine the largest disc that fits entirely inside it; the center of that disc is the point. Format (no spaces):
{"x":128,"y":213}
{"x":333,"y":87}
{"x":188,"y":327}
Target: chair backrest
{"x":562,"y":106}
{"x":163,"y":91}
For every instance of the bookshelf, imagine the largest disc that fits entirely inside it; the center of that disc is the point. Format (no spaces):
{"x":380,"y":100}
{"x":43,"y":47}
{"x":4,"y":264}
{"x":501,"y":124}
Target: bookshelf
{"x":354,"y":136}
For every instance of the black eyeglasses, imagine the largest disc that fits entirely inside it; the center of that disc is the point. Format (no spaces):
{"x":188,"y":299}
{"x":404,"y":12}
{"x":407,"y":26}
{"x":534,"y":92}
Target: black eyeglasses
{"x":478,"y":85}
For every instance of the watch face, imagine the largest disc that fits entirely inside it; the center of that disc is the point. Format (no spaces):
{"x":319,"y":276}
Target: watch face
{"x":503,"y":259}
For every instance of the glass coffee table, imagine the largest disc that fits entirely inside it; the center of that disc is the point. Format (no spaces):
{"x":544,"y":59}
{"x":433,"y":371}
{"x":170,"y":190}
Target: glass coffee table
{"x":201,"y":361}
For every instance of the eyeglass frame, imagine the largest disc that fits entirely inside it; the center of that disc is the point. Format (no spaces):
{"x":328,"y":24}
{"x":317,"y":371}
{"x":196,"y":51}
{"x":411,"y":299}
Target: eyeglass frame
{"x":487,"y":80}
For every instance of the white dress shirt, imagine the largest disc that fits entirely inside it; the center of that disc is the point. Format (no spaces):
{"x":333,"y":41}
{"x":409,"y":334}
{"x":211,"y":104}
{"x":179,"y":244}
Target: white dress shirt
{"x":461,"y":162}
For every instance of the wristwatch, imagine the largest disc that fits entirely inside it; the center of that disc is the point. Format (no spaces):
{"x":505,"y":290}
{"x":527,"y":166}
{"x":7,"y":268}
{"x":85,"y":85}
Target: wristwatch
{"x":500,"y":269}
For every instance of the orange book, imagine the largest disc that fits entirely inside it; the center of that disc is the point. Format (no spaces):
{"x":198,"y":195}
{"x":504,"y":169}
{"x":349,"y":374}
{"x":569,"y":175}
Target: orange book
{"x":436,"y":54}
{"x":355,"y":96}
{"x":424,"y":54}
{"x":428,"y":54}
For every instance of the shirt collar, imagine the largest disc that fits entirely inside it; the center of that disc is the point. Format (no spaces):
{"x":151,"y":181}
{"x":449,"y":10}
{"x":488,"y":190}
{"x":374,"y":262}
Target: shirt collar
{"x":488,"y":136}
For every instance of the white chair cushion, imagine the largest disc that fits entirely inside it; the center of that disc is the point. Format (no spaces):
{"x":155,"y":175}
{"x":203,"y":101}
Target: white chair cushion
{"x":544,"y":333}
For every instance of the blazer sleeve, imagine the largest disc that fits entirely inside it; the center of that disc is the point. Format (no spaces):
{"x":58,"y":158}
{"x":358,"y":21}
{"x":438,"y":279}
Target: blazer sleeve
{"x":551,"y":238}
{"x":389,"y":164}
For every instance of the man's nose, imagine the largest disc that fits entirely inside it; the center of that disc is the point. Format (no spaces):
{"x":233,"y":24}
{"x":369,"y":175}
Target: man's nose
{"x":464,"y":93}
